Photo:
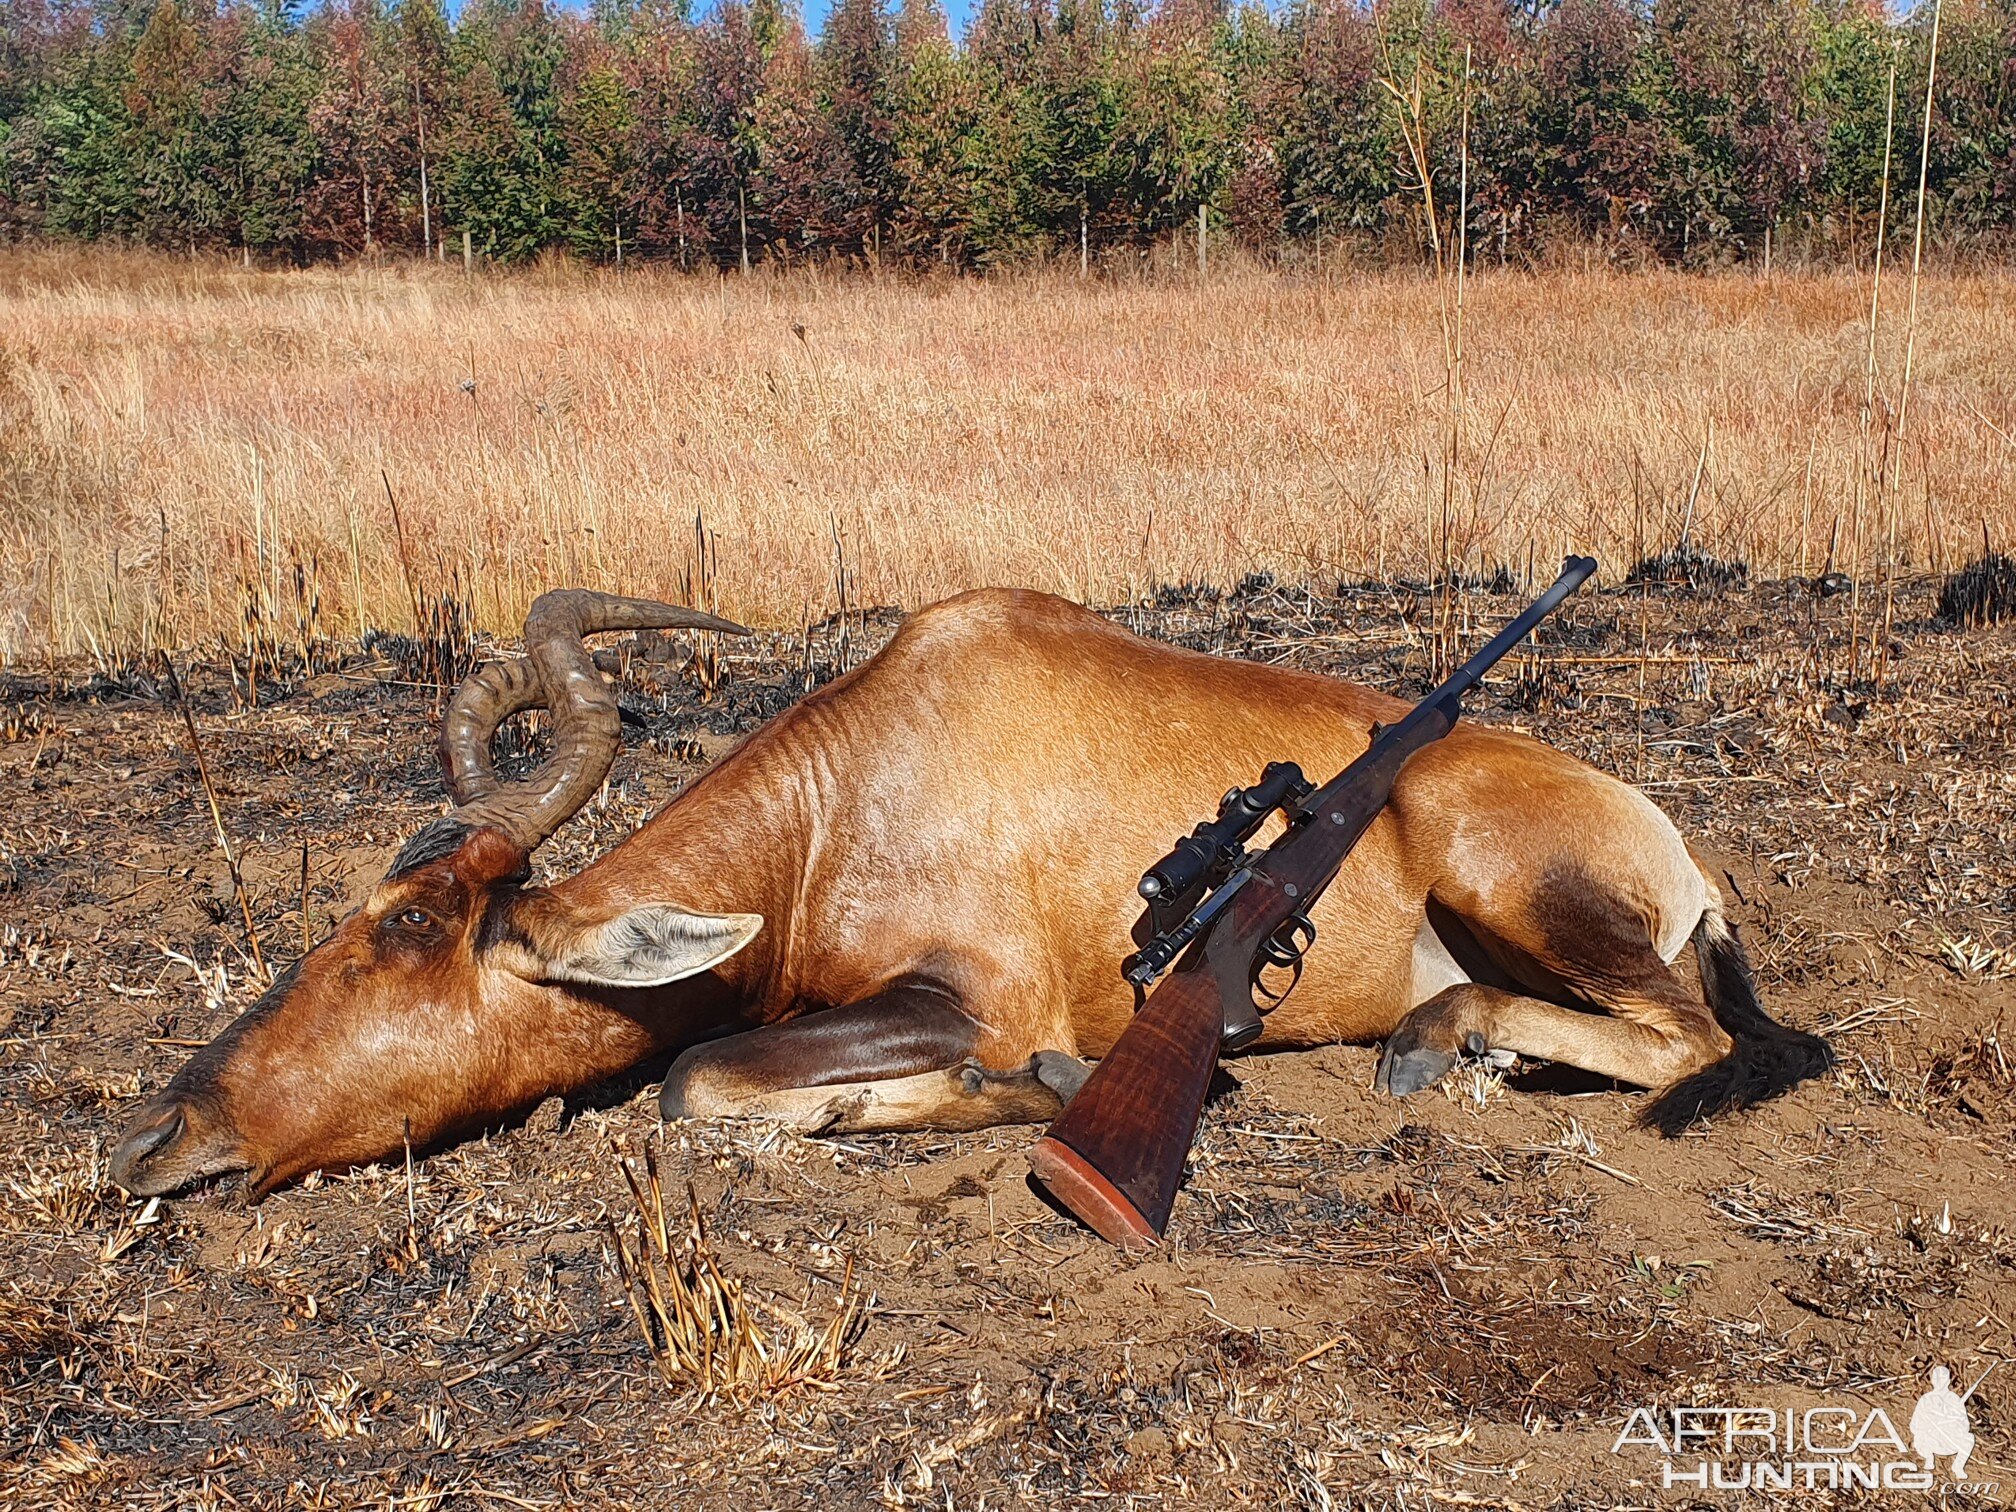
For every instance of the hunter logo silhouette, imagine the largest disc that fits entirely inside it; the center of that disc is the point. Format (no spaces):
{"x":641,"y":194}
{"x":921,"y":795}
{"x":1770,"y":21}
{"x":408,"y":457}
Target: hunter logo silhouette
{"x":1939,"y":1422}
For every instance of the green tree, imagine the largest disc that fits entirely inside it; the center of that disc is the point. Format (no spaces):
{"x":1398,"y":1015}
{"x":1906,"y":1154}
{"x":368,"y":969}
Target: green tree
{"x":1071,"y":163}
{"x":1972,"y":169}
{"x":1737,"y":83}
{"x":426,"y":46}
{"x":941,"y":164}
{"x":263,"y":124}
{"x":504,"y":152}
{"x":1186,"y":118}
{"x":858,"y":88}
{"x":171,"y":150}
{"x":333,"y":127}
{"x":598,"y":183}
{"x":1331,"y":126}
{"x":69,"y":165}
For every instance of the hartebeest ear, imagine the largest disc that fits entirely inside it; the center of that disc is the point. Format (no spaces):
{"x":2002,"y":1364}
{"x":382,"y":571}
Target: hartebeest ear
{"x":644,"y":947}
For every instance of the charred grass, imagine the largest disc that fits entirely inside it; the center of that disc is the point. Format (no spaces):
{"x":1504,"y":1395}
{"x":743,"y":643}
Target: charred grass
{"x":1454,"y":1300}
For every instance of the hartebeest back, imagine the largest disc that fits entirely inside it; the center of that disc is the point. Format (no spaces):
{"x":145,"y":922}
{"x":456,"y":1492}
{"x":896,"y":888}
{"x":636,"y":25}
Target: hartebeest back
{"x":910,"y":894}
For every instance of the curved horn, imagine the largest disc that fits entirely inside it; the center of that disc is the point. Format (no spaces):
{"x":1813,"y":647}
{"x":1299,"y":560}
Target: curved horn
{"x":558,"y":674}
{"x":488,"y":696}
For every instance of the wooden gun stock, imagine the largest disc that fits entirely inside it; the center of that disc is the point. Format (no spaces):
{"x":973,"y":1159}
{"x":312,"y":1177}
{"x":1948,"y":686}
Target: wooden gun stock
{"x":1115,"y":1156}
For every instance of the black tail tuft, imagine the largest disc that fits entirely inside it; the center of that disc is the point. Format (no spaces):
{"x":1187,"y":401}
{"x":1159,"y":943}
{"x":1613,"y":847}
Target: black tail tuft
{"x":1767,"y":1059}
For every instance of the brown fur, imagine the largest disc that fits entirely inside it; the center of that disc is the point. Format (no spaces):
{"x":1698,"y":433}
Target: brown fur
{"x":967,"y":815}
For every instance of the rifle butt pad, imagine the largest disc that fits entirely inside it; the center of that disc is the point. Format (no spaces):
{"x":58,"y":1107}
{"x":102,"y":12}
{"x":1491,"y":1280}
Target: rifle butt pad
{"x":1090,"y":1197}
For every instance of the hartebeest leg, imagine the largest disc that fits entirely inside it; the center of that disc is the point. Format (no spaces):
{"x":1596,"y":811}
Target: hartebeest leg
{"x":1564,"y":933}
{"x":1653,"y":1046}
{"x":908,"y":1058}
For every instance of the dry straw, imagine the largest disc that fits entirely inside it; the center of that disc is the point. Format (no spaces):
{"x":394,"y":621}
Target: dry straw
{"x":173,"y":427}
{"x":707,"y":1329}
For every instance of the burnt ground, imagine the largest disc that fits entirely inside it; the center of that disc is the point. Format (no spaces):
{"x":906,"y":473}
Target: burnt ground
{"x":1456,"y":1299}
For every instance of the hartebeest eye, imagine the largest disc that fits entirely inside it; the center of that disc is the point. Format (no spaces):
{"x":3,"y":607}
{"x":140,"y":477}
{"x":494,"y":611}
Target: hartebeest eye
{"x":410,"y":925}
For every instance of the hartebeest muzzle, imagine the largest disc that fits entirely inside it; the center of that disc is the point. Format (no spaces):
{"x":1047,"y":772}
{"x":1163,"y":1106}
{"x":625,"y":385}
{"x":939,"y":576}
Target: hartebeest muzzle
{"x":171,"y":1144}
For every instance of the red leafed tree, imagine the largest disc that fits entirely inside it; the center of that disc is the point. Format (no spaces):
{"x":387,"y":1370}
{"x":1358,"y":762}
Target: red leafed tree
{"x":660,"y":69}
{"x":857,"y":96}
{"x":364,"y":133}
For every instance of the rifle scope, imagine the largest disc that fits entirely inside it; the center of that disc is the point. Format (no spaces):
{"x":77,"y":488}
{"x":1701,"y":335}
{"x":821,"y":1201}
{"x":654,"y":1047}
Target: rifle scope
{"x":1215,"y":843}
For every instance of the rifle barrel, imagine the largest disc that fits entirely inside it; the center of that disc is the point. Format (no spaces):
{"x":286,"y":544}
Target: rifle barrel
{"x":1446,"y":699}
{"x":1575,"y":572}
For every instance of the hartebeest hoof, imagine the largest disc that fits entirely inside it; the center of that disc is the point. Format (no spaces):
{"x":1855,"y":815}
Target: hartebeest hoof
{"x":1052,"y":1070}
{"x":1061,"y":1073}
{"x":1403,"y":1072}
{"x":1408,"y":1064}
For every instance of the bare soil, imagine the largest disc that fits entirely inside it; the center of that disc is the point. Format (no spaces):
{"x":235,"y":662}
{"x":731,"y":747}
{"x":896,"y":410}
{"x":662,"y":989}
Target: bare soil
{"x":1454,"y":1299}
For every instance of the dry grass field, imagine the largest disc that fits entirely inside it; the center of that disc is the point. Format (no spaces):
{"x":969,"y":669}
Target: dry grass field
{"x":177,"y":438}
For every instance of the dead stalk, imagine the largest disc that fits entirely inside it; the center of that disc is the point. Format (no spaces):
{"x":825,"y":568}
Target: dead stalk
{"x":704,"y":1327}
{"x":216,"y":814}
{"x":843,"y":578}
{"x":1411,"y":104}
{"x":697,"y":586}
{"x":412,"y":1211}
{"x":1870,"y":469}
{"x":405,"y":556}
{"x":1881,"y":654}
{"x":1452,"y":453}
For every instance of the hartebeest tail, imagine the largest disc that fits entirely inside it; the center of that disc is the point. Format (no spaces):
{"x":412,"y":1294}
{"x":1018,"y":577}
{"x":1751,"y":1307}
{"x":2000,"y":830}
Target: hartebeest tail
{"x":1767,"y":1059}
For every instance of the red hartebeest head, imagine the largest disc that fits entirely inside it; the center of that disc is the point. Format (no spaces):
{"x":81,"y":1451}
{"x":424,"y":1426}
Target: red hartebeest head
{"x":455,"y":994}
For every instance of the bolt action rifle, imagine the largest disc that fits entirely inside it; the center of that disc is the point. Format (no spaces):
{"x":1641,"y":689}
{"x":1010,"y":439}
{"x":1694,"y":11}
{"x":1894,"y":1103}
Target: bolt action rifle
{"x":1222,"y":916}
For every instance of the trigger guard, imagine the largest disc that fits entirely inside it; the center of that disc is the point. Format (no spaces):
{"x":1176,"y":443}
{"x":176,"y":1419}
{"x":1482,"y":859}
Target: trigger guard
{"x":1265,"y":1000}
{"x":1283,"y":951}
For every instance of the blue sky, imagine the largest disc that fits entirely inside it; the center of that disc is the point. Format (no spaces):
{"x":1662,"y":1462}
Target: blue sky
{"x":959,"y":12}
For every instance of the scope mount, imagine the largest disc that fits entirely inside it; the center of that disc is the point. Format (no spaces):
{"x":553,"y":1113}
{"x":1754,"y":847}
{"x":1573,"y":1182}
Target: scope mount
{"x":1187,"y":888}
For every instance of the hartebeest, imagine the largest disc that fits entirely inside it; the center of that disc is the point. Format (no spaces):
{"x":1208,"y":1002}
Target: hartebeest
{"x":910,"y":893}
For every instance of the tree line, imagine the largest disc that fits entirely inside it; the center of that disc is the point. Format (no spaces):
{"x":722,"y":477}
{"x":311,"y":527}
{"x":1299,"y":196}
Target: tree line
{"x":1688,"y":130}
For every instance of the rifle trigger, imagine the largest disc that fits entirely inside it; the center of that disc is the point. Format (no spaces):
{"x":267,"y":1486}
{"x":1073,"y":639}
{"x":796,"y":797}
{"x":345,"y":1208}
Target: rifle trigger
{"x":1288,"y":944}
{"x":1283,"y":951}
